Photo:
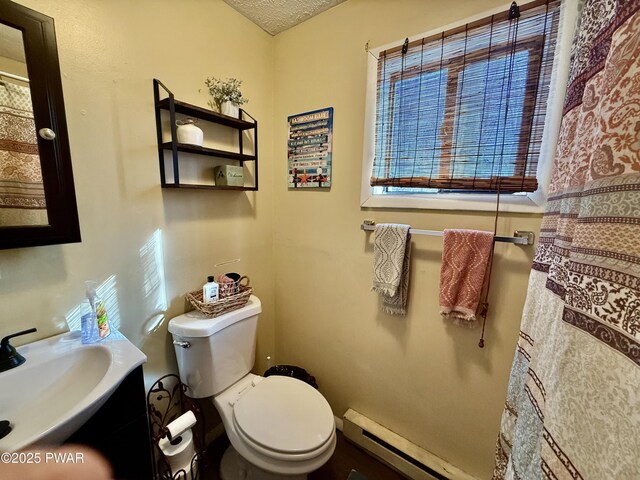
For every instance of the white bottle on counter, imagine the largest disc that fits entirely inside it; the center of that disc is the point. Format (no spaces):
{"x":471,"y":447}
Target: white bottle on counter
{"x":210,"y":291}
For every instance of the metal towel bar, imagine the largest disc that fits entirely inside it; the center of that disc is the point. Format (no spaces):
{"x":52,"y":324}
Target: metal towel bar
{"x":520,"y":237}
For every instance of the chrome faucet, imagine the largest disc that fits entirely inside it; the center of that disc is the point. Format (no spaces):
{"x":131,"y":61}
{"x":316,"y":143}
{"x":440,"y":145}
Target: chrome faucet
{"x":9,"y":357}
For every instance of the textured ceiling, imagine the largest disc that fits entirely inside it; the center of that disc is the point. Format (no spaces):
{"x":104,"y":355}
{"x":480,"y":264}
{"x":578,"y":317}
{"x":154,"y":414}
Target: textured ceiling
{"x":274,"y":16}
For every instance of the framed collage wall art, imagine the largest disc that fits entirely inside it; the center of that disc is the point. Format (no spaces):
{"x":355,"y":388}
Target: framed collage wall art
{"x":309,"y":149}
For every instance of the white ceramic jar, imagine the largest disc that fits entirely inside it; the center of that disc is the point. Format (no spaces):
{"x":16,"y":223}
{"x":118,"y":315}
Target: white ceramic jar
{"x":189,"y":133}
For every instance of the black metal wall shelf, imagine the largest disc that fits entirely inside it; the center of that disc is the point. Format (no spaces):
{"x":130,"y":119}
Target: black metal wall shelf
{"x":183,"y":147}
{"x":174,"y":107}
{"x":203,"y":113}
{"x":206,"y":187}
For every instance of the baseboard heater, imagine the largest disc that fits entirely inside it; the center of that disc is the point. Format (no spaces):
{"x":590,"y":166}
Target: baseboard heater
{"x":399,"y":453}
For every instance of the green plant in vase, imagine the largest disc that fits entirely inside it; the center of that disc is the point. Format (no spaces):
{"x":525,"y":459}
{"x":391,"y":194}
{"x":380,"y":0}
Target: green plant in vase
{"x":223,"y":91}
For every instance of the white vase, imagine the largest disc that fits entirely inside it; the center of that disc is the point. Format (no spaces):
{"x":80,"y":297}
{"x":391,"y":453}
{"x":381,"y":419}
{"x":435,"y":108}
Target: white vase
{"x":231,"y":109}
{"x":188,"y":133}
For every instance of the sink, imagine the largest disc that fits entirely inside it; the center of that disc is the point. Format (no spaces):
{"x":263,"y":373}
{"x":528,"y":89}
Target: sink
{"x":60,"y":386}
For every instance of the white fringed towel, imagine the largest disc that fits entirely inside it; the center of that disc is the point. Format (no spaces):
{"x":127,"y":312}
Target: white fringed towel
{"x":391,"y":259}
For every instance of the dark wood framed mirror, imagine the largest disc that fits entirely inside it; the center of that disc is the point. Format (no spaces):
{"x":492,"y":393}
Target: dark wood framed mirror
{"x":37,"y":194}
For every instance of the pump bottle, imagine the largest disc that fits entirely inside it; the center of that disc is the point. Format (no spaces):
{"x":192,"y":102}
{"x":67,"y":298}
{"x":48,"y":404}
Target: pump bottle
{"x":210,"y":291}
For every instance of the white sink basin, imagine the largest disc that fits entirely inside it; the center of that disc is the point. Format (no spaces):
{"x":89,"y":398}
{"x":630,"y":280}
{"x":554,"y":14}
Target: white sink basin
{"x":60,"y":386}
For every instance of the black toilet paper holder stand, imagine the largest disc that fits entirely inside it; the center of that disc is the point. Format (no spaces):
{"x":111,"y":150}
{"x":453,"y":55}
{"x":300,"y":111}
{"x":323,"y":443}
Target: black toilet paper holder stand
{"x":166,"y":401}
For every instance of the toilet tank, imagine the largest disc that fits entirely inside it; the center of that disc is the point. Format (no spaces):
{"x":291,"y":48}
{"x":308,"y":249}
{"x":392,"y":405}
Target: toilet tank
{"x":214,"y":353}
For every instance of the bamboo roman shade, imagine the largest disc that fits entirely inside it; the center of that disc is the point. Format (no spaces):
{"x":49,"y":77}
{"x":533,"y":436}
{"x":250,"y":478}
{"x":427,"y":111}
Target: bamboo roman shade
{"x":465,"y":109}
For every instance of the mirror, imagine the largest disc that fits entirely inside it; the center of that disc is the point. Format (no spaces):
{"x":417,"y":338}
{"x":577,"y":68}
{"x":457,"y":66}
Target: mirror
{"x":22,"y":200}
{"x":37,"y":197}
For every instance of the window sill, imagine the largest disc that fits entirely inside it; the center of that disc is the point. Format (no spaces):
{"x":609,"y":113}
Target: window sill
{"x":461,"y":202}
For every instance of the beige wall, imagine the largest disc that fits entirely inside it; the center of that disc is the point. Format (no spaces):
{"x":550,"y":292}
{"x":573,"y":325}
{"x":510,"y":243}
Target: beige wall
{"x":12,"y":66}
{"x":109,"y":53}
{"x":422,"y":378}
{"x":309,"y":262}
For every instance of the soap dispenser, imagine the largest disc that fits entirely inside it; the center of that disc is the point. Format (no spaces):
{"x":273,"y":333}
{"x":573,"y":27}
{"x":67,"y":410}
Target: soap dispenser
{"x":210,"y":291}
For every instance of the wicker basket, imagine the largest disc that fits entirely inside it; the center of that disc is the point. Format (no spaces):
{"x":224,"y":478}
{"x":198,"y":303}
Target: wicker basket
{"x":223,"y":305}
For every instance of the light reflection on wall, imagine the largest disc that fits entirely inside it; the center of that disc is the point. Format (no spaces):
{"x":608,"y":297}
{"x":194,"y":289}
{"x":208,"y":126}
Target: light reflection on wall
{"x":154,"y":288}
{"x":153,"y":292}
{"x":108,"y":292}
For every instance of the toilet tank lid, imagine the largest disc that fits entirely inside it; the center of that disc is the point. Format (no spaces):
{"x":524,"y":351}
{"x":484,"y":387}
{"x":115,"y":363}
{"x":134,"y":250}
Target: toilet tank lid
{"x":197,"y":324}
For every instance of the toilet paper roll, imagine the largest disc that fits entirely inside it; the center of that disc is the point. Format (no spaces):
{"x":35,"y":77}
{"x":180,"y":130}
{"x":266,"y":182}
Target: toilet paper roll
{"x":181,"y":424}
{"x":179,"y":452}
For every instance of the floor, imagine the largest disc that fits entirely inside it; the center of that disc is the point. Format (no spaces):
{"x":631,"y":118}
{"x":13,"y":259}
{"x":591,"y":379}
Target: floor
{"x":347,"y":457}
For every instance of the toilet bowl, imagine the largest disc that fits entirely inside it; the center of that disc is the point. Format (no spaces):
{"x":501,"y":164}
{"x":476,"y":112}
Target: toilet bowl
{"x":279,"y":424}
{"x":279,"y":427}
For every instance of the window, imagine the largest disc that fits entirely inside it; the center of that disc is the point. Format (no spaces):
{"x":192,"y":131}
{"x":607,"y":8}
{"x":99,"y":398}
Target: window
{"x":464,"y":110}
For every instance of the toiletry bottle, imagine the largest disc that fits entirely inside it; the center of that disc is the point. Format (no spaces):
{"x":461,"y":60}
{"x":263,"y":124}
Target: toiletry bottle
{"x":210,"y":291}
{"x":88,"y":323}
{"x":97,"y":306}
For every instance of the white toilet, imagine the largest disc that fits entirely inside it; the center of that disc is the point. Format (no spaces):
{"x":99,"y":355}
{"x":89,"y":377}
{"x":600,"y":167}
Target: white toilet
{"x":279,"y":427}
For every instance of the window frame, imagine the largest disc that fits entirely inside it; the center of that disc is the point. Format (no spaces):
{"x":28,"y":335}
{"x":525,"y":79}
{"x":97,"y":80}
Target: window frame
{"x":534,"y":202}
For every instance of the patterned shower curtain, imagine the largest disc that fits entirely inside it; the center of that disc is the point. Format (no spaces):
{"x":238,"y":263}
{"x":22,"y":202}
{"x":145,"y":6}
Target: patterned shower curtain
{"x":573,"y":403}
{"x":22,"y":200}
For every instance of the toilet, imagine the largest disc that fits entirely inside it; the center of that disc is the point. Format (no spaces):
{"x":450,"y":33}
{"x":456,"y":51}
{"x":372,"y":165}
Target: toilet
{"x":279,"y":427}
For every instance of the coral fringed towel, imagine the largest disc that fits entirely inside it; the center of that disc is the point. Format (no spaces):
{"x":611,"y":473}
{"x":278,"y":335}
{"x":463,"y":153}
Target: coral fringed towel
{"x":391,"y":258}
{"x":465,"y":258}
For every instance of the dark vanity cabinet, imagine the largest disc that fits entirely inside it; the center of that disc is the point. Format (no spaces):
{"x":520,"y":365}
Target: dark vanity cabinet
{"x":120,"y":431}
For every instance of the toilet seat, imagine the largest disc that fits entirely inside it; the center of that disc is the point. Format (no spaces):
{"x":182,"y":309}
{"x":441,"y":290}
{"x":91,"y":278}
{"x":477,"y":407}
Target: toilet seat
{"x":284,"y":418}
